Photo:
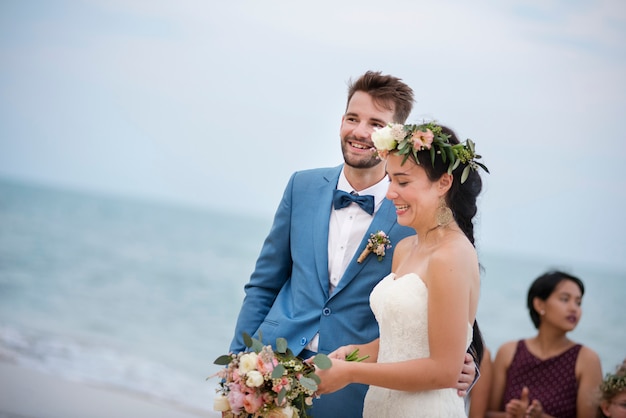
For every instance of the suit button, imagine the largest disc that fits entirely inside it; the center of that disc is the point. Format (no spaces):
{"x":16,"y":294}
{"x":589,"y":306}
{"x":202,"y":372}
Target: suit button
{"x":326,"y":311}
{"x":303,"y":341}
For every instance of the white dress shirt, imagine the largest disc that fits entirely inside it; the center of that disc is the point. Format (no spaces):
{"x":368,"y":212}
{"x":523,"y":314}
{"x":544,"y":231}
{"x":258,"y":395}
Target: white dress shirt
{"x":346,"y":229}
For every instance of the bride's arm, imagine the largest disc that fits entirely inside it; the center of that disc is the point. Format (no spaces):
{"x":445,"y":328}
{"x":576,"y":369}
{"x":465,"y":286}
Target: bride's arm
{"x":450,"y":278}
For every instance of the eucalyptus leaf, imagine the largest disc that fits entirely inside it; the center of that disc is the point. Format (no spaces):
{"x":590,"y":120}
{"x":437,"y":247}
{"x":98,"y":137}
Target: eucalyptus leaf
{"x":247,"y":339}
{"x":281,"y":345}
{"x":278,"y":371}
{"x":314,"y":377}
{"x":257,"y":345}
{"x":281,"y":395}
{"x":223,"y":360}
{"x":308,"y":383}
{"x":322,"y":361}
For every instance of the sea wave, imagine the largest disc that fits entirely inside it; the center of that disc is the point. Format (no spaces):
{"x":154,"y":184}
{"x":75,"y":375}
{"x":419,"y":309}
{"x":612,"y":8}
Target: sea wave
{"x":82,"y":361}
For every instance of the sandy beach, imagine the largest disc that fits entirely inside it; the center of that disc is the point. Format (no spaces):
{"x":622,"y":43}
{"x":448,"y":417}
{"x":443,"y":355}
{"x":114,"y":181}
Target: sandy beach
{"x":25,"y":393}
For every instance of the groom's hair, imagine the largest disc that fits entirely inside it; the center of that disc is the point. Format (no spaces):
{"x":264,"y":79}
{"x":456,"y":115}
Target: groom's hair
{"x":387,"y":91}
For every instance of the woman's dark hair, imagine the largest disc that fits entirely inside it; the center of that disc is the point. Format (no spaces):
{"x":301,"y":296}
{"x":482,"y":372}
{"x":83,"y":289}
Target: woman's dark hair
{"x":477,"y":347}
{"x":461,"y":199}
{"x":544,"y":286}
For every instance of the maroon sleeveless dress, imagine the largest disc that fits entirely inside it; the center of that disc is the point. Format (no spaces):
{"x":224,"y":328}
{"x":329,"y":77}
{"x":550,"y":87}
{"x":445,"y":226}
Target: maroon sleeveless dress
{"x":552,"y":381}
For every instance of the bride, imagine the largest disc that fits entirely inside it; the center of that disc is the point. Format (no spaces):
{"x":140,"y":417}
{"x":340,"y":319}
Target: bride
{"x":426,"y":307}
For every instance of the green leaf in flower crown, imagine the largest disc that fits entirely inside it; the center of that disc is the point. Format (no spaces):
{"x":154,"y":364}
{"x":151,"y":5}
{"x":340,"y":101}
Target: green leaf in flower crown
{"x":471,"y":146}
{"x":281,"y":345}
{"x":450,"y":153}
{"x":482,"y":166}
{"x":322,"y":361}
{"x":278,"y":371}
{"x":465,"y":174}
{"x":308,"y":383}
{"x":223,"y":360}
{"x":406,"y":157}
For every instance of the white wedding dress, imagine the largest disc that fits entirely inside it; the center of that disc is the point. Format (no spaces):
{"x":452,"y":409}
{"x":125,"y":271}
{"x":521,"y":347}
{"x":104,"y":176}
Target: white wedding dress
{"x":401,"y":309}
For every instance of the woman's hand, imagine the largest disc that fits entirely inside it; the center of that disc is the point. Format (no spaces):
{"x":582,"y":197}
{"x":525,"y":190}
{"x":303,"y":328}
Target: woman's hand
{"x":535,"y":410}
{"x":336,"y":377}
{"x":518,"y":408}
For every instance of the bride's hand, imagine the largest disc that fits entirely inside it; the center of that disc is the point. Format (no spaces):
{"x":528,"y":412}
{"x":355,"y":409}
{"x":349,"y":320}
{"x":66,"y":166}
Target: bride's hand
{"x":336,"y":377}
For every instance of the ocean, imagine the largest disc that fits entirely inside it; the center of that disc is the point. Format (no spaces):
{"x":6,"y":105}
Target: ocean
{"x":142,"y":296}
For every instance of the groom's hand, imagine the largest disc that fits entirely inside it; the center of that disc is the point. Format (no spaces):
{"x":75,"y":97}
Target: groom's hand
{"x":342,"y":352}
{"x":467,"y":377}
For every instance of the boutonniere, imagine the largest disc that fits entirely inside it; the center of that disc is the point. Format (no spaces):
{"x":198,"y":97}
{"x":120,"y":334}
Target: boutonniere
{"x":377,"y":244}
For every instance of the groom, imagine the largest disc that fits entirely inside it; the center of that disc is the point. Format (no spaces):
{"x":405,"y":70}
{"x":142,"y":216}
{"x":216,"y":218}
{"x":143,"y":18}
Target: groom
{"x":308,"y":286}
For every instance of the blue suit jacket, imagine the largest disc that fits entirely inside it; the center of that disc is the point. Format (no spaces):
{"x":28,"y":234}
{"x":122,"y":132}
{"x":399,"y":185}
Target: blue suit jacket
{"x":287,"y":295}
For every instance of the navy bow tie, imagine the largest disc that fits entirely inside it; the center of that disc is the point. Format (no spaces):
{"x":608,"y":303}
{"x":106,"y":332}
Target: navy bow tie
{"x":342,"y":199}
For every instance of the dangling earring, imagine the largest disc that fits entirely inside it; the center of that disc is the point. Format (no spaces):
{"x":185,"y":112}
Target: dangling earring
{"x":444,"y":213}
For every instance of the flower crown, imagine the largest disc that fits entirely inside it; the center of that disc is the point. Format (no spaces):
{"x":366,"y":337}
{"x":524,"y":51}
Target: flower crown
{"x":411,"y":139}
{"x":613,"y":383}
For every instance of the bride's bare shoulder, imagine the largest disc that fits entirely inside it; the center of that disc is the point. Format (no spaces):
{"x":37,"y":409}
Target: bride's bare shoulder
{"x":405,"y":244}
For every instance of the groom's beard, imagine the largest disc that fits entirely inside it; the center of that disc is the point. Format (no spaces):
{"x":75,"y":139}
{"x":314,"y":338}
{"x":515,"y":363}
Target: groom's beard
{"x":364,"y":159}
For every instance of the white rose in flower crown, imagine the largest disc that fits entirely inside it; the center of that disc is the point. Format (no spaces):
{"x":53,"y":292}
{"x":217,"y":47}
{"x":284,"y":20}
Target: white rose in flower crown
{"x":247,"y":362}
{"x":384,"y":139}
{"x":255,"y":379}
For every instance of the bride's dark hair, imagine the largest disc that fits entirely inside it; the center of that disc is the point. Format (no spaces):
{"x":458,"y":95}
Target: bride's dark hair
{"x":461,"y":199}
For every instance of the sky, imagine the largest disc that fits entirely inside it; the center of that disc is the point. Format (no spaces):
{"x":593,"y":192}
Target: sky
{"x":215,"y":104}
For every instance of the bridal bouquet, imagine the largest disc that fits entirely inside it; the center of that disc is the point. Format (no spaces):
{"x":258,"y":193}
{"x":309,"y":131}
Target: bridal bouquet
{"x":267,"y":383}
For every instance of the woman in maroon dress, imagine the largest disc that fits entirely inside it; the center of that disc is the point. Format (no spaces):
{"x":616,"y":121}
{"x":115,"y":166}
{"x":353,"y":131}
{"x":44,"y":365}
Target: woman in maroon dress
{"x":548,"y":375}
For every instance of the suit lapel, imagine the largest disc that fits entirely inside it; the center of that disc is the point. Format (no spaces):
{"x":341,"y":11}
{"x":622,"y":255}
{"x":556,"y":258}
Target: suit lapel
{"x":323,"y":199}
